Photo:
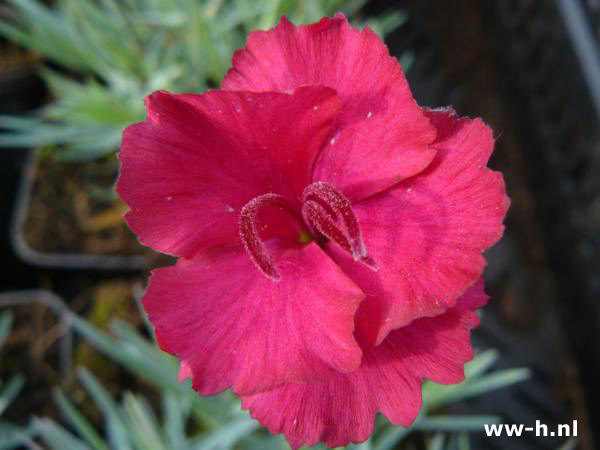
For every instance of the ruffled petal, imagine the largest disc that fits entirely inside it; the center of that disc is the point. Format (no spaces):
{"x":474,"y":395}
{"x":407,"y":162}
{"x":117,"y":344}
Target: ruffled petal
{"x":197,"y":159}
{"x":428,"y":233}
{"x":233,"y":327}
{"x":382,"y":136}
{"x":342,"y":409}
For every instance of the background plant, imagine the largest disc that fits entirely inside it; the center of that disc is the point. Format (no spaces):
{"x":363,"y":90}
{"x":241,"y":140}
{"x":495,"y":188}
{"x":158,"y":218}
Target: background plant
{"x":10,"y":435}
{"x":219,"y":422}
{"x":189,"y":421}
{"x":106,"y":55}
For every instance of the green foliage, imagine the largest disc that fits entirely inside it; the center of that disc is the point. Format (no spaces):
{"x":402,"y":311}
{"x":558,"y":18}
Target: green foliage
{"x":218,"y":421}
{"x":477,"y":382}
{"x":188,"y":421}
{"x":122,"y":50}
{"x":132,"y":424}
{"x":10,"y":435}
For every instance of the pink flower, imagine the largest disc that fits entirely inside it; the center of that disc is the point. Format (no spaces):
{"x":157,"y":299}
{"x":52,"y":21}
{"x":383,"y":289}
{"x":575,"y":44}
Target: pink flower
{"x":330,"y":232}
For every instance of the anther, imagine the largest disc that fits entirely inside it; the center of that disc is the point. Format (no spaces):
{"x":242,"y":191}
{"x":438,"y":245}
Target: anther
{"x":249,"y":232}
{"x":329,"y":212}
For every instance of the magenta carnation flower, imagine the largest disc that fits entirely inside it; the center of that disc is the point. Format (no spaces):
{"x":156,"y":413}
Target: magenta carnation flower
{"x":329,"y":232}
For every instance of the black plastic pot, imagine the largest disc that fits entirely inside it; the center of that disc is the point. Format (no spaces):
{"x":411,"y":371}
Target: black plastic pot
{"x":582,"y":22}
{"x":58,"y":307}
{"x":61,"y":260}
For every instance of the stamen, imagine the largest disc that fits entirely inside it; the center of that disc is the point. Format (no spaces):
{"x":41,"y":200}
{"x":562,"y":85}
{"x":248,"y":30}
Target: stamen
{"x":325,"y":194}
{"x":317,"y":218}
{"x":323,"y":206}
{"x":249,"y":232}
{"x":328,"y":209}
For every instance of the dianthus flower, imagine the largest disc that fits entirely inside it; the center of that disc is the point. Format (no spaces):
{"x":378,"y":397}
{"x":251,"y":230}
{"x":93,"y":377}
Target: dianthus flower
{"x":329,"y":232}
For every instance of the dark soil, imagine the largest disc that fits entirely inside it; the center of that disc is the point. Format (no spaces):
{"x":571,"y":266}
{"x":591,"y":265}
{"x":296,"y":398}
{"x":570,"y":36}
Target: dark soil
{"x":74,"y":209}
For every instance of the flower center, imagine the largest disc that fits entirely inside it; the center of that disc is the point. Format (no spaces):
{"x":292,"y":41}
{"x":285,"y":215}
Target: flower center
{"x":326,"y":213}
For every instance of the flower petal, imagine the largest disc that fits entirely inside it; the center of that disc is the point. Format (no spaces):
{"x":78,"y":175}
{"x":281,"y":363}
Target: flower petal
{"x":185,"y":372}
{"x":382,"y":136}
{"x":342,"y":409}
{"x":235,"y":328}
{"x":197,"y":159}
{"x":428,"y":233}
